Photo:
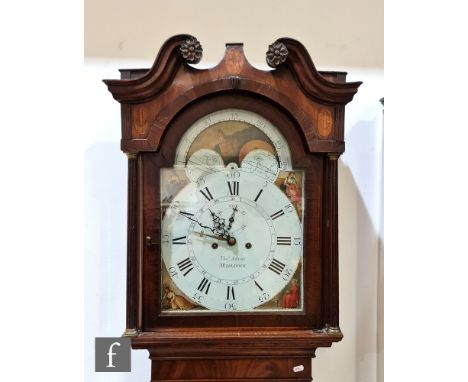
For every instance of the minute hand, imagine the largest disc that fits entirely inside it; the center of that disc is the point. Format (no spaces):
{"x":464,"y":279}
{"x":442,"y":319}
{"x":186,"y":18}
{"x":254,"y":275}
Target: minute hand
{"x":200,"y":224}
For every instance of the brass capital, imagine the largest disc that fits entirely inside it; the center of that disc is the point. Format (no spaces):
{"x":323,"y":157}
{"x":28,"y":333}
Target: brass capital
{"x":130,"y":333}
{"x":333,"y":330}
{"x":131,"y":155}
{"x":333,"y":156}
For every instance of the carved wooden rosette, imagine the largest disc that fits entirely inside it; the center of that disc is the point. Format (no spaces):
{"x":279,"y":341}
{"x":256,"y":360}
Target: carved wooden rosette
{"x":157,"y":105}
{"x":276,"y":54}
{"x":191,"y":50}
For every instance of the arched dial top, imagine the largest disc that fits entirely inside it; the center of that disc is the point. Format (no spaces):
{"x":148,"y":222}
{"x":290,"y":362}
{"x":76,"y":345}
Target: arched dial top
{"x":233,"y":133}
{"x":232,"y":240}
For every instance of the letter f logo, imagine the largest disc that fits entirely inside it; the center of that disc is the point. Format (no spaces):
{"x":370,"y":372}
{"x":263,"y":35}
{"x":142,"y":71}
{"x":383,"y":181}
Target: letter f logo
{"x":111,"y":353}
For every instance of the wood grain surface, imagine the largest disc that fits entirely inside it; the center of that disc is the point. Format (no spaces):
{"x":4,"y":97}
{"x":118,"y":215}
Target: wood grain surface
{"x":307,"y":106}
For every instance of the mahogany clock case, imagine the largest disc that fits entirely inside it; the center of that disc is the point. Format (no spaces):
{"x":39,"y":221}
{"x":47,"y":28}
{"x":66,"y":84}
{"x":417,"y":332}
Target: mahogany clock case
{"x":310,"y":163}
{"x":307,"y":106}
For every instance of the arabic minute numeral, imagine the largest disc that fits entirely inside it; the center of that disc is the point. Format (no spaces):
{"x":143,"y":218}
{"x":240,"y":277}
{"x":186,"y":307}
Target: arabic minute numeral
{"x":173,"y":271}
{"x":230,"y":306}
{"x":175,"y":204}
{"x":287,"y":274}
{"x":263,"y":297}
{"x":261,"y":294}
{"x":288,"y":208}
{"x":165,"y":239}
{"x":234,"y":174}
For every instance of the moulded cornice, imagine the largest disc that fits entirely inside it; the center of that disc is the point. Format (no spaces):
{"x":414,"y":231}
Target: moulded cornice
{"x":156,"y":79}
{"x":312,"y":83}
{"x":169,"y":59}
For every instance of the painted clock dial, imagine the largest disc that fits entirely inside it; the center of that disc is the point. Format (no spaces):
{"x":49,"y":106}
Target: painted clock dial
{"x":232,"y":218}
{"x":231,"y":242}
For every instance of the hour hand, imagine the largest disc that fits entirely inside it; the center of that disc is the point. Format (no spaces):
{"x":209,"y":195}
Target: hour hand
{"x":202,"y":234}
{"x":229,"y":239}
{"x":231,"y":219}
{"x":218,"y":224}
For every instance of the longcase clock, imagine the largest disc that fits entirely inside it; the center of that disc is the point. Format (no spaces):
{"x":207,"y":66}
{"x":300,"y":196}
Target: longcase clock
{"x":232,"y":266}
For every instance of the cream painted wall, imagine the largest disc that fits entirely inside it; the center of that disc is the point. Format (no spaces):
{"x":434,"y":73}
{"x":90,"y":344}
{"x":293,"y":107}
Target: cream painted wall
{"x":339,"y":36}
{"x":336,"y":32}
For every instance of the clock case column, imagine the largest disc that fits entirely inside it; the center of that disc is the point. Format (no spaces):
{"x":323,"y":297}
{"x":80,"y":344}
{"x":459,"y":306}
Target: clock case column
{"x":330,"y":245}
{"x":134,"y":247}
